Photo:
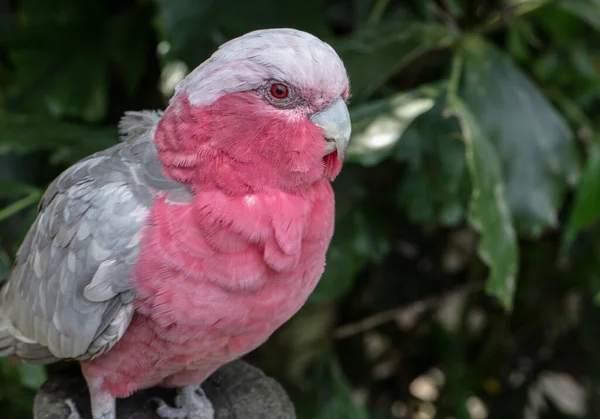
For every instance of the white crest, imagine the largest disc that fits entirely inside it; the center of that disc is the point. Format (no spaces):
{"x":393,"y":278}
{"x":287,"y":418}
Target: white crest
{"x":245,"y":63}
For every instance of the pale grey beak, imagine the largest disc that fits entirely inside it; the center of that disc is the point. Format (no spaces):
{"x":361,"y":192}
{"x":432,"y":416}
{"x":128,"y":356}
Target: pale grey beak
{"x":335,"y":123}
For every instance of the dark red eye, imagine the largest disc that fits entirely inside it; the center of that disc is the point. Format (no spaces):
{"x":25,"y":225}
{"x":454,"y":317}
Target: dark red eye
{"x":279,"y":91}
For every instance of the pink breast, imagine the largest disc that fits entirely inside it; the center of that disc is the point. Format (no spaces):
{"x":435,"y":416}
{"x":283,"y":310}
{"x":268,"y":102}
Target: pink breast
{"x":216,"y":278}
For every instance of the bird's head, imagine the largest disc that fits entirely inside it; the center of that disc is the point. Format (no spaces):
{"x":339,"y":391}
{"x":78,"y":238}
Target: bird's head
{"x":267,"y":109}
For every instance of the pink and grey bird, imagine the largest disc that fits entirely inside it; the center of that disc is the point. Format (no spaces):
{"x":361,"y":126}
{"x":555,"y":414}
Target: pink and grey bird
{"x":190,"y":242}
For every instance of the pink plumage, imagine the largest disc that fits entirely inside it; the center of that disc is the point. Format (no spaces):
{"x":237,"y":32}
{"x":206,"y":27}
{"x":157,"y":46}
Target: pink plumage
{"x":205,"y":299}
{"x":216,"y":277}
{"x":233,"y":212}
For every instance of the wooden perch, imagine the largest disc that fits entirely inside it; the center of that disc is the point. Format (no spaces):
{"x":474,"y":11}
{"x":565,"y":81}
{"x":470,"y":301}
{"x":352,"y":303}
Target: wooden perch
{"x":237,"y":391}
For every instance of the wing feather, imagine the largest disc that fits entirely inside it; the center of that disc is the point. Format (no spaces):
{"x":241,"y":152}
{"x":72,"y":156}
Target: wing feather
{"x":69,"y":295}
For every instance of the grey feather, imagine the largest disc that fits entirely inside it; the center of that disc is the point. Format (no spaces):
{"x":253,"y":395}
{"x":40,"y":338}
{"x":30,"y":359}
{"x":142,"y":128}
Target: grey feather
{"x":69,"y":294}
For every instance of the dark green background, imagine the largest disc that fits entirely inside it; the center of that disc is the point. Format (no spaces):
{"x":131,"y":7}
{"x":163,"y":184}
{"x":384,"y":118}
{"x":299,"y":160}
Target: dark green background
{"x":466,"y":258}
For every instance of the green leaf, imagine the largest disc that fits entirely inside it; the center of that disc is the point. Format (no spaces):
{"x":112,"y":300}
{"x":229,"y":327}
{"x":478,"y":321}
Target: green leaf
{"x":29,"y":376}
{"x":341,"y":404}
{"x":586,"y":210}
{"x":31,"y":199}
{"x":586,"y":10}
{"x":4,"y":265}
{"x":30,"y":132}
{"x":128,"y":45}
{"x":32,"y":376}
{"x":360,"y":238}
{"x":520,"y":34}
{"x":196,"y":28}
{"x":455,"y":8}
{"x":377,"y":126}
{"x":433,"y":187}
{"x":56,"y":68}
{"x":374,"y":55}
{"x":535,"y":146}
{"x":457,"y":381}
{"x":12,"y":189}
{"x":489,"y":212}
{"x":563,"y":27}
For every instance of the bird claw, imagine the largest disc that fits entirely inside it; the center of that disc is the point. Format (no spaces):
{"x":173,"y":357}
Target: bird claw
{"x":74,"y":413}
{"x":191,"y":403}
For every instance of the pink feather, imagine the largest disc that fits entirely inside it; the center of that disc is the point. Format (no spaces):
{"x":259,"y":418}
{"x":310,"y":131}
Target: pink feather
{"x":217,"y":277}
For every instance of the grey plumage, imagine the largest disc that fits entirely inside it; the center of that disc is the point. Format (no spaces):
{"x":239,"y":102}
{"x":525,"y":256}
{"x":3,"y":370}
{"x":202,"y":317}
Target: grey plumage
{"x":68,"y":295}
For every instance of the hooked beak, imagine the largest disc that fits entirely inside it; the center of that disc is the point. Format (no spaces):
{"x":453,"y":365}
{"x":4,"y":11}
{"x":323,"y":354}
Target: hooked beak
{"x":335,"y":123}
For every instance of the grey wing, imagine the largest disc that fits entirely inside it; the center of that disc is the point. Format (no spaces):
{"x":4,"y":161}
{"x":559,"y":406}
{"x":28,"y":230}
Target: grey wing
{"x":69,"y":294}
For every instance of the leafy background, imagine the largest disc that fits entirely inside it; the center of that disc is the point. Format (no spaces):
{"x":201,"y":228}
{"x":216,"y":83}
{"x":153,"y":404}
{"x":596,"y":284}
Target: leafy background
{"x":463,"y":278}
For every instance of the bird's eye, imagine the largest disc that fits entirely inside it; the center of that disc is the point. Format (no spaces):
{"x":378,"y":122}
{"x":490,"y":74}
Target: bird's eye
{"x":279,"y":91}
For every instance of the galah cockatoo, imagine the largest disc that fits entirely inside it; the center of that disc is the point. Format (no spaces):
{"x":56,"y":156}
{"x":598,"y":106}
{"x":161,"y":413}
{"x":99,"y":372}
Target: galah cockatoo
{"x":186,"y":245}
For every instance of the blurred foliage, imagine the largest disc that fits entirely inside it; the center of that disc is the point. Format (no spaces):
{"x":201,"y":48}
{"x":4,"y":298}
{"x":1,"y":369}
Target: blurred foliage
{"x":464,"y":275}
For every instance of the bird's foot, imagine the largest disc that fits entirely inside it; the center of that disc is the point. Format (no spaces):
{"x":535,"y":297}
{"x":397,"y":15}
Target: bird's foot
{"x":74,"y":413}
{"x":191,"y":403}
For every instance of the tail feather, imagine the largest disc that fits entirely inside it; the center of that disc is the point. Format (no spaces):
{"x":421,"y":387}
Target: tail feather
{"x":34,"y":353}
{"x":7,"y":341}
{"x":28,"y":352}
